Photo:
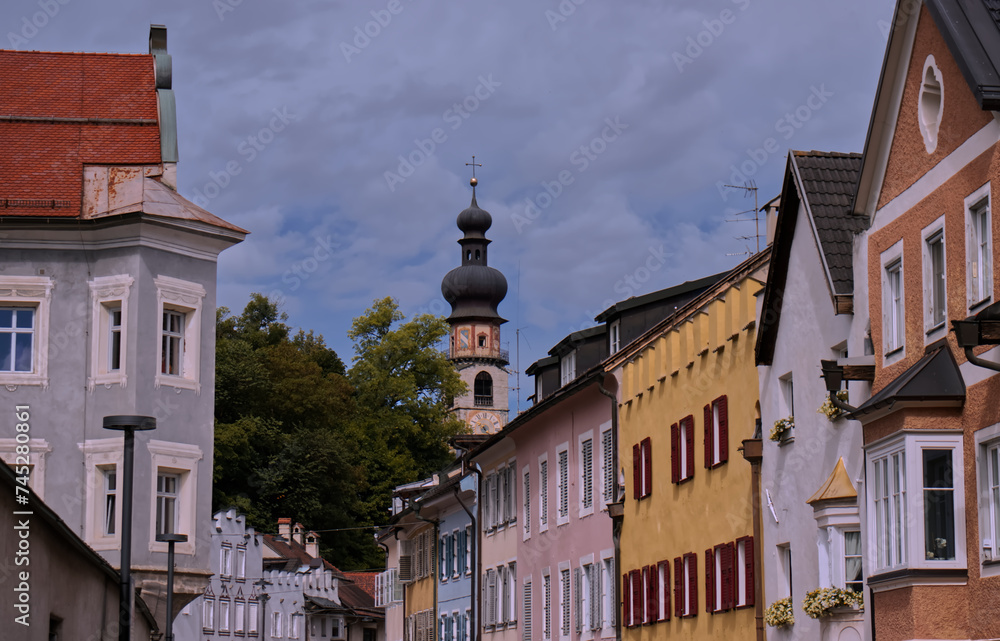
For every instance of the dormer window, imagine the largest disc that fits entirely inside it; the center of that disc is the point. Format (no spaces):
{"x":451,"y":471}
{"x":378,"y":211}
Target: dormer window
{"x":567,"y":367}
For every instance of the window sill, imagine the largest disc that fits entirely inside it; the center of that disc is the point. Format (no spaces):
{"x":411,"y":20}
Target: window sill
{"x":107,"y":380}
{"x":178,"y":382}
{"x":937,"y":328}
{"x":978,"y":307}
{"x":12,"y":381}
{"x":787,"y":440}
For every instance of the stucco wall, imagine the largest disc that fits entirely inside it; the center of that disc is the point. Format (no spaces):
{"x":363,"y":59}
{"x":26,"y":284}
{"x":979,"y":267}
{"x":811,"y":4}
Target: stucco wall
{"x":686,"y":371}
{"x":908,"y":159}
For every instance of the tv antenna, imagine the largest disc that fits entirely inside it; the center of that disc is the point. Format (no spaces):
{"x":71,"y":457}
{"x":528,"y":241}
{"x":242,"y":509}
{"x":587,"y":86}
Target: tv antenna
{"x":748,"y":187}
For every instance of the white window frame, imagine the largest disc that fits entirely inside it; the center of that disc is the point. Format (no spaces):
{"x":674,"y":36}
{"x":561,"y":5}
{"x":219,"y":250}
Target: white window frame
{"x":716,"y":428}
{"x":181,"y":459}
{"x":165,"y":494}
{"x":239,"y":616}
{"x":893,"y":316}
{"x":295,"y":625}
{"x":253,"y":611}
{"x":226,"y":560}
{"x":108,"y":293}
{"x":979,"y":280}
{"x":39,"y":449}
{"x":586,"y":480}
{"x":187,"y":298}
{"x":567,"y":368}
{"x":785,"y":564}
{"x":614,"y":337}
{"x":34,"y":292}
{"x":455,"y":570}
{"x":543,"y":492}
{"x":562,"y":485}
{"x":546,"y":604}
{"x":241,"y":563}
{"x":468,"y":549}
{"x":225,"y":606}
{"x":208,"y":614}
{"x":932,"y":235}
{"x":912,"y":443}
{"x":987,"y":441}
{"x":276,"y":628}
{"x":609,"y":598}
{"x":98,"y":455}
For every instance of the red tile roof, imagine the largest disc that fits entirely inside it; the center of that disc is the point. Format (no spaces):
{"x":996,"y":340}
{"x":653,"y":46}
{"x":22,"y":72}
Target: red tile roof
{"x":45,"y":139}
{"x":364,"y":580}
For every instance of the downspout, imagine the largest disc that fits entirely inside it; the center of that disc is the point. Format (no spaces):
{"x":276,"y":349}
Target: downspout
{"x":472,"y":531}
{"x":616,"y":523}
{"x":981,"y":362}
{"x":476,"y":553}
{"x":436,"y":573}
{"x":753,"y":452}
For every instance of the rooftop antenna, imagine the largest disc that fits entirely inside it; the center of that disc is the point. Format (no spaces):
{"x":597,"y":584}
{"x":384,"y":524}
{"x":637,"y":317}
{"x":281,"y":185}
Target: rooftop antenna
{"x":748,"y":187}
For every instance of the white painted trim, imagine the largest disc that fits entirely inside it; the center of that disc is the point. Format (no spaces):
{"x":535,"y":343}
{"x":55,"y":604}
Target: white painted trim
{"x":886,"y":258}
{"x":188,"y":298}
{"x":929,"y":130}
{"x":926,"y":233}
{"x":104,"y":290}
{"x":181,"y":459}
{"x":31,"y":291}
{"x":38,"y":448}
{"x":976,"y":145}
{"x":97,"y":454}
{"x":972,"y":298}
{"x":984,"y":439}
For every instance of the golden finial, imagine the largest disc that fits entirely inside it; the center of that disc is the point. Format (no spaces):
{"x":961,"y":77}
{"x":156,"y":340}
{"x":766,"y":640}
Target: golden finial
{"x":474,"y":164}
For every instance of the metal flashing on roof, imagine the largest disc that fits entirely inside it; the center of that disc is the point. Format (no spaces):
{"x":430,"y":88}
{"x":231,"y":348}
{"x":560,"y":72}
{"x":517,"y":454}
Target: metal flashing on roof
{"x":933,"y":381}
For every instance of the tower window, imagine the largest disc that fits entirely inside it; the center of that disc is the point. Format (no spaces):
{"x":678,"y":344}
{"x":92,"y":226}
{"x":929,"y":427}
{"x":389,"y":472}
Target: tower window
{"x":468,"y":255}
{"x":483,"y":389}
{"x":482,"y":340}
{"x":477,"y":254}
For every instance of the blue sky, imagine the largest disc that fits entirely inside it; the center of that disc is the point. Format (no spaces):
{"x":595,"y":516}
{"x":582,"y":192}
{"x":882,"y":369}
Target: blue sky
{"x":338,"y":133}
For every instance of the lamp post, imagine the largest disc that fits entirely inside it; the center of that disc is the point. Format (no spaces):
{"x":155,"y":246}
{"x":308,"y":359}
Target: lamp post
{"x":130,"y":425}
{"x":170,"y":539}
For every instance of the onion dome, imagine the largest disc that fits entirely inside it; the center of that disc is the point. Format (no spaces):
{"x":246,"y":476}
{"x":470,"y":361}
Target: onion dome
{"x":474,"y":289}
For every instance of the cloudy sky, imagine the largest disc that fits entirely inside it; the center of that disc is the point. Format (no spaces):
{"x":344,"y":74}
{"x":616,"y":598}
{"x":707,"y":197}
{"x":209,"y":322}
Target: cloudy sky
{"x":338,"y":132}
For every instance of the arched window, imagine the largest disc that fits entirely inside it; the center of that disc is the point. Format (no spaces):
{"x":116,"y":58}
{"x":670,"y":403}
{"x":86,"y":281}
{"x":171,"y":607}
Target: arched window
{"x":483,"y":389}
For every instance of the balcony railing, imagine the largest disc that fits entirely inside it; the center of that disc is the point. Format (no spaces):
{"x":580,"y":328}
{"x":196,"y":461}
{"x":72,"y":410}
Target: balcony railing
{"x":483,"y":401}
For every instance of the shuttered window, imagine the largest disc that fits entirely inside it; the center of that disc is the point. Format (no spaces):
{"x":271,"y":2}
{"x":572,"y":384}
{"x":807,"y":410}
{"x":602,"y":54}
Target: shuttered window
{"x":587,"y":471}
{"x":663,"y":587}
{"x":526,"y":611}
{"x":686,"y":585}
{"x":607,"y":467}
{"x":526,"y":492}
{"x":627,"y":618}
{"x":744,"y":568}
{"x":592,"y":575}
{"x":717,"y":432}
{"x":609,"y":587}
{"x":547,"y":607}
{"x":563,"y":457}
{"x":564,"y":597}
{"x":543,"y":495}
{"x":578,"y":599}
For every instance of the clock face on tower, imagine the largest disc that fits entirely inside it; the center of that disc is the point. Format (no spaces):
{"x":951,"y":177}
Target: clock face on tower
{"x":483,"y":422}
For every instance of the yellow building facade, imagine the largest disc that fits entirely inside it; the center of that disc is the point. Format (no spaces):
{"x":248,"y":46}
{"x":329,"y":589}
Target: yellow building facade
{"x":688,"y":397}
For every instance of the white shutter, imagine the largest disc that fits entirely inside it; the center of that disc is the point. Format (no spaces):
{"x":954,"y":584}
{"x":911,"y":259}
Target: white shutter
{"x":595,"y":596}
{"x":526,"y":611}
{"x":577,"y":599}
{"x":608,"y":465}
{"x":613,"y":590}
{"x":487,"y":503}
{"x":527,"y":503}
{"x":543,"y":489}
{"x":406,"y":561}
{"x":588,"y":473}
{"x":547,"y":607}
{"x":502,"y":584}
{"x":512,"y":571}
{"x":563,"y":483}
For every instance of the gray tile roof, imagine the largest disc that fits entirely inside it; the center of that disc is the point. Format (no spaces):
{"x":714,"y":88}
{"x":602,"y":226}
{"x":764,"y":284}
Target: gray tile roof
{"x":829,"y":180}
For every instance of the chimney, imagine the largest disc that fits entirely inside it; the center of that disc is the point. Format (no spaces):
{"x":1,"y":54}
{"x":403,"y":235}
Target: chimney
{"x":771,"y":217}
{"x":312,"y":545}
{"x":285,"y":528}
{"x":297,"y":534}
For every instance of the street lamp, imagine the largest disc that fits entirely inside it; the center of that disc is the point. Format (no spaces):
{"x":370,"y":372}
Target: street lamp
{"x":833,"y":375}
{"x":170,"y":539}
{"x":130,"y":425}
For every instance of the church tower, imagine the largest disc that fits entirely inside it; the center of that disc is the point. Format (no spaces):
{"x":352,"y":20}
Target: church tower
{"x":474,"y":290}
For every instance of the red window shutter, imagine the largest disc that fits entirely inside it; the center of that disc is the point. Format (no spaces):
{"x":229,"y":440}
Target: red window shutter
{"x":708,"y":436}
{"x":636,"y":472}
{"x":638,"y":612}
{"x":693,"y":583}
{"x":654,"y":594}
{"x":748,"y":555}
{"x":709,"y":581}
{"x":626,"y":600}
{"x":647,"y":466}
{"x":690,"y":445}
{"x":675,"y":461}
{"x":723,"y":428}
{"x":727,"y":576}
{"x":663,"y":568}
{"x":647,"y":604}
{"x":678,"y":587}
